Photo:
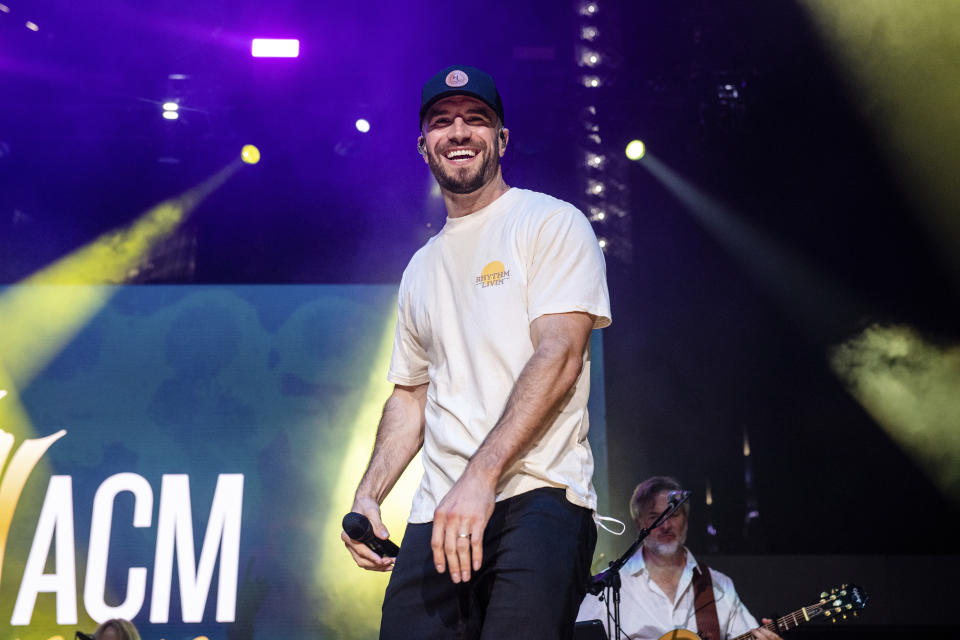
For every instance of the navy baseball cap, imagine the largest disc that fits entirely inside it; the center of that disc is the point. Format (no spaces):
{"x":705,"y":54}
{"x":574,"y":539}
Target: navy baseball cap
{"x":460,"y":81}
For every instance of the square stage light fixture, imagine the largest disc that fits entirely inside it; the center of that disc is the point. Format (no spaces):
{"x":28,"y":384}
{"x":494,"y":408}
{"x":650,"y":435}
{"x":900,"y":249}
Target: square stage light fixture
{"x":275,"y":48}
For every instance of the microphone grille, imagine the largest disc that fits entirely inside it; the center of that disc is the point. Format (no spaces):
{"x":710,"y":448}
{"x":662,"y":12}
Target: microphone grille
{"x":356,"y":525}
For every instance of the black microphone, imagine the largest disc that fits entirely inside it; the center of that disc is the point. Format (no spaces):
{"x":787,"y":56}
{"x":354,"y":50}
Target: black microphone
{"x":358,"y":528}
{"x":676,"y":498}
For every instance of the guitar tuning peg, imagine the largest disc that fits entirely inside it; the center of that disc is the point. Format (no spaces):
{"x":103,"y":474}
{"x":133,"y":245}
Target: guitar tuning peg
{"x":833,"y":620}
{"x":823,"y":595}
{"x":827,"y":612}
{"x":849,"y":606}
{"x":844,"y":617}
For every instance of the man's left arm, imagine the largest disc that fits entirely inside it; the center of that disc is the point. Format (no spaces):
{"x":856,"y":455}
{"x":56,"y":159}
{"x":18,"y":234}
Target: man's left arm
{"x":559,"y":341}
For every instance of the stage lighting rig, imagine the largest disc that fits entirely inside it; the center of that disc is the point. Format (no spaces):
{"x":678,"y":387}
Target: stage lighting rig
{"x":596,"y":61}
{"x":588,"y":58}
{"x":589,"y":33}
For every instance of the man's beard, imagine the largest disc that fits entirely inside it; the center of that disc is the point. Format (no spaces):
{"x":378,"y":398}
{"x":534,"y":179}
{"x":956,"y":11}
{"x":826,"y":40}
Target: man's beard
{"x":662,"y":548}
{"x":459,"y":181}
{"x":667,"y":548}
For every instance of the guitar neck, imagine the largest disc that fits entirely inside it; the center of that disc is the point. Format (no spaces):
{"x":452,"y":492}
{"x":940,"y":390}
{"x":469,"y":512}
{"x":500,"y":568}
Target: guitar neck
{"x":789,"y":621}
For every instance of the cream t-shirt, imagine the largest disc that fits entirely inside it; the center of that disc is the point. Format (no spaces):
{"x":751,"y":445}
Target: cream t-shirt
{"x":464,"y":310}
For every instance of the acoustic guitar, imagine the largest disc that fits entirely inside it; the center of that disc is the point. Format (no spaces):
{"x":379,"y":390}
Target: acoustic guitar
{"x":837,"y":604}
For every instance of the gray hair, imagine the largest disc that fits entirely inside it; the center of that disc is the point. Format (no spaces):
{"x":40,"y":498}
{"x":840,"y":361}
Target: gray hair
{"x":648,"y":490}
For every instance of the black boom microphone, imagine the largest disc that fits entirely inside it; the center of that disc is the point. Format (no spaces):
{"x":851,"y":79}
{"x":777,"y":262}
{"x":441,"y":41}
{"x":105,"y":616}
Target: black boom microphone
{"x":358,"y":528}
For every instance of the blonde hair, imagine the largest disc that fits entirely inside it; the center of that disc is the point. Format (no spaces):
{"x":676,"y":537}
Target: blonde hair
{"x":124,"y":629}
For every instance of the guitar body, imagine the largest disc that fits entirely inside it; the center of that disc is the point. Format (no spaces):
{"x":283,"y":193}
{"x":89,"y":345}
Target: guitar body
{"x":679,"y":634}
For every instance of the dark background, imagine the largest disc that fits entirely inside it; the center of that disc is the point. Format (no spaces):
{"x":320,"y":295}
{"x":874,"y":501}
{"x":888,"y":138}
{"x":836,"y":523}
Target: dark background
{"x":701,"y":350}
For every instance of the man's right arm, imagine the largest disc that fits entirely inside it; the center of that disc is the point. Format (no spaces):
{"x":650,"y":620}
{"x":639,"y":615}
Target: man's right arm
{"x":399,"y":437}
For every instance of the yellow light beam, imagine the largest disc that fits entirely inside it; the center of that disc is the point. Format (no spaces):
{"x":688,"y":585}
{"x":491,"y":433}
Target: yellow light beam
{"x":901,"y":57}
{"x":354,"y":602}
{"x":39,"y":319}
{"x":909,"y":386}
{"x":792,"y":280}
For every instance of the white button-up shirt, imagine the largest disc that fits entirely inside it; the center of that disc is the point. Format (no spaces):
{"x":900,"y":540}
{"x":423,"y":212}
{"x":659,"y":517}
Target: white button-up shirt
{"x":646,"y":613}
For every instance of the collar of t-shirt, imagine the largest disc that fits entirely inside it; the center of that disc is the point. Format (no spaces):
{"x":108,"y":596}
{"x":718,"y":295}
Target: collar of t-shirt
{"x":502,"y":203}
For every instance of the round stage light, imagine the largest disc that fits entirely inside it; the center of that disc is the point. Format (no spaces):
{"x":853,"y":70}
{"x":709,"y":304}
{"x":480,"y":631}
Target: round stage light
{"x":171,"y":115}
{"x":250,"y":154}
{"x":170,"y":106}
{"x":363,"y":126}
{"x":636,"y":149}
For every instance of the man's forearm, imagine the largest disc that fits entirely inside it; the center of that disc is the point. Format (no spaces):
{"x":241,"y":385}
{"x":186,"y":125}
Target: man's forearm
{"x":399,"y":437}
{"x":543,"y":385}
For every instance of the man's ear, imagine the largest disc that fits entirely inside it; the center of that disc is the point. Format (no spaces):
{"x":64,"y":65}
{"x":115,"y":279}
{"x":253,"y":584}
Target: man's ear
{"x":422,"y":147}
{"x":504,"y":135}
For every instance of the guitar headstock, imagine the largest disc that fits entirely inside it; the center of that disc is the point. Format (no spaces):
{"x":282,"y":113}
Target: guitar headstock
{"x":839,"y":602}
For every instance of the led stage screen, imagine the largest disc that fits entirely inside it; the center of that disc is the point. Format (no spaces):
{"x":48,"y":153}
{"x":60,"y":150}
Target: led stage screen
{"x":186,"y":454}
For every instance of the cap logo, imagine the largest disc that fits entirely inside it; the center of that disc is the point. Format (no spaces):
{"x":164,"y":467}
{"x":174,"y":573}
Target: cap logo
{"x":457,"y":78}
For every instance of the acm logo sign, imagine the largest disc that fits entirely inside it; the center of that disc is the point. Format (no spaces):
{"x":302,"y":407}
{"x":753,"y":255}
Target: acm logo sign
{"x":54,"y":535}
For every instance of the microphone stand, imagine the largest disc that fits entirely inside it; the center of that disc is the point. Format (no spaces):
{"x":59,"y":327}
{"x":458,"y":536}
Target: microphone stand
{"x":609,"y":578}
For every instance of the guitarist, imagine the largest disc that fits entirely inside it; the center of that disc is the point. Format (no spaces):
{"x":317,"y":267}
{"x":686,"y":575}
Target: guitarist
{"x":663,"y":587}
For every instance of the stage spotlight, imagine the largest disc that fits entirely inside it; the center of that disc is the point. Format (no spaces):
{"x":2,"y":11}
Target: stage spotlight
{"x":4,"y":9}
{"x":250,"y":154}
{"x":636,"y":149}
{"x":589,"y":9}
{"x":171,"y":106}
{"x":363,"y":126}
{"x":32,"y":26}
{"x":591,"y":82}
{"x":589,"y":58}
{"x":602,"y":242}
{"x":589,"y":33}
{"x":171,"y":115}
{"x":595,"y":187}
{"x":275,"y":48}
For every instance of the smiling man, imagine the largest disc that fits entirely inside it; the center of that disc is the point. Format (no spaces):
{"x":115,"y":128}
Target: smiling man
{"x":491,"y":368}
{"x":662,"y":580}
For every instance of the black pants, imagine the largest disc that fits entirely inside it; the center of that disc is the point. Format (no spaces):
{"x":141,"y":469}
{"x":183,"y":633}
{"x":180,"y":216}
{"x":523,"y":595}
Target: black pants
{"x":537,"y":550}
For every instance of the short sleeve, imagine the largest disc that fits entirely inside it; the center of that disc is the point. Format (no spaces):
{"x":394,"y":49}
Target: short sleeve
{"x":567,"y":270}
{"x":740,"y":620}
{"x":408,"y":362}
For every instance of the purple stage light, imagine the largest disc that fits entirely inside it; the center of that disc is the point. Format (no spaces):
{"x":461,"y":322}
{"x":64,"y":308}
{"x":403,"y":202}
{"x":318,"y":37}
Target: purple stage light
{"x":275,"y":48}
